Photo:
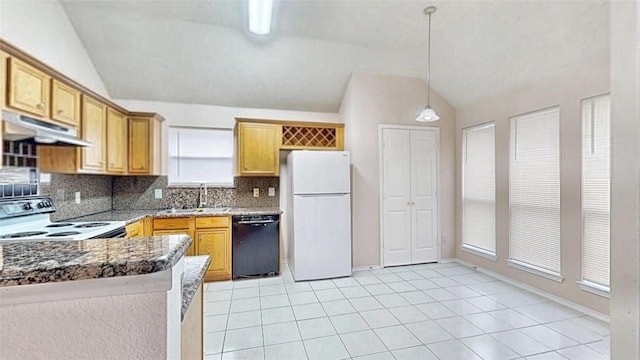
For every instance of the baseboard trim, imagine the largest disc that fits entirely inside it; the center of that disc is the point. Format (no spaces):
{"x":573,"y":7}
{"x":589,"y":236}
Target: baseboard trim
{"x":448,"y":260}
{"x":577,"y":307}
{"x":367,"y":267}
{"x":377,"y":267}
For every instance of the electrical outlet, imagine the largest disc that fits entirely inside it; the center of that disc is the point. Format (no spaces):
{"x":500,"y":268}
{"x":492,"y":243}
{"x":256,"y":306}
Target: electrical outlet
{"x":256,"y":192}
{"x":158,"y":193}
{"x":78,"y":197}
{"x":444,"y":238}
{"x":272,"y":191}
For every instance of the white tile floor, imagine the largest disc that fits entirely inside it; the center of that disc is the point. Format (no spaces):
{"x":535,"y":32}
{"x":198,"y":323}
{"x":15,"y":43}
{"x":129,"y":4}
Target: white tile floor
{"x":432,"y":311}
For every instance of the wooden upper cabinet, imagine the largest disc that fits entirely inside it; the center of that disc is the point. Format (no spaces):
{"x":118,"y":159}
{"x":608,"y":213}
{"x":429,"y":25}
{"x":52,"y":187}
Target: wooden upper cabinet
{"x":116,"y":142}
{"x":28,"y":88}
{"x":4,"y":59}
{"x":144,"y":145}
{"x":94,"y":130}
{"x":258,"y":149}
{"x":65,"y":103}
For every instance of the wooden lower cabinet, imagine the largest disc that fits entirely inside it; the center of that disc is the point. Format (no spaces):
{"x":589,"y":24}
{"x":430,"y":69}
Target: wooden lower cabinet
{"x":192,"y":329}
{"x":211,"y":236}
{"x":191,"y":251}
{"x":217,"y":244}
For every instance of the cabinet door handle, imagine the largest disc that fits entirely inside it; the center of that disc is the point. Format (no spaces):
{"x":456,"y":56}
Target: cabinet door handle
{"x":40,"y":105}
{"x":60,"y":112}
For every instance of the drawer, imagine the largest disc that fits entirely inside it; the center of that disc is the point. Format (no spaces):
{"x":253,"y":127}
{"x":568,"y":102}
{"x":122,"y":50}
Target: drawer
{"x":212,"y":221}
{"x":171,"y":223}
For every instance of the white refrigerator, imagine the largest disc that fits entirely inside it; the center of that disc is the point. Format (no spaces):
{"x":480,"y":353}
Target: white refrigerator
{"x":319,"y":207}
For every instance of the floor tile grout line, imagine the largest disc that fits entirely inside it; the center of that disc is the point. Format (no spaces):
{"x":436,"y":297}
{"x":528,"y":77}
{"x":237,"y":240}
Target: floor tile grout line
{"x":483,"y":294}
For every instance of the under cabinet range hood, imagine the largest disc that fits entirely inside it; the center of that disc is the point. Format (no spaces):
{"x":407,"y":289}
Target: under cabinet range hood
{"x":22,"y":127}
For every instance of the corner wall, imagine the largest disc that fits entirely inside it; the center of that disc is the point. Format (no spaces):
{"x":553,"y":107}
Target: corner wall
{"x":565,"y":90}
{"x":42,"y":29}
{"x":371,"y":100}
{"x":625,"y":185}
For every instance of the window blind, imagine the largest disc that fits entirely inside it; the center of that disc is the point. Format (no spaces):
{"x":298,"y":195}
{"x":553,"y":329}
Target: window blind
{"x":596,"y":174}
{"x":200,"y":155}
{"x":478,"y":187}
{"x":534,"y":189}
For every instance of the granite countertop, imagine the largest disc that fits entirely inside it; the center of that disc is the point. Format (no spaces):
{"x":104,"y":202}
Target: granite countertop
{"x":131,"y":216}
{"x":40,"y":261}
{"x":194,"y":269}
{"x":215,"y":212}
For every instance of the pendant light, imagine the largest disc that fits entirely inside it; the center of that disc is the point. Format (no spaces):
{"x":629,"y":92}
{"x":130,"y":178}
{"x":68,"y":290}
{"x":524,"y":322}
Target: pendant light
{"x":428,"y":115}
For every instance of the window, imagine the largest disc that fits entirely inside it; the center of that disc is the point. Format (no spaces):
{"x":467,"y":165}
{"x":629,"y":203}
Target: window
{"x":200,"y":155}
{"x":478,"y":190}
{"x":534,"y":193}
{"x":596,"y":174}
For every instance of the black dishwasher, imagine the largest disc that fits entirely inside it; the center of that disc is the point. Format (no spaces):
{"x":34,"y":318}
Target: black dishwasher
{"x":255,"y":248}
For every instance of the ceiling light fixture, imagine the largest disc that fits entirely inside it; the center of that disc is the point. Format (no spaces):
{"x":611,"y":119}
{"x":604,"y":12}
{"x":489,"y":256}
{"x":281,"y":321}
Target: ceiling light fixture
{"x":427,"y":114}
{"x":260,"y":12}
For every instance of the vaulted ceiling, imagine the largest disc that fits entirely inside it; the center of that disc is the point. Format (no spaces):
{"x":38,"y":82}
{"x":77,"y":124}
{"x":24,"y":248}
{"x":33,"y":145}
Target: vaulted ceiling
{"x":200,"y":51}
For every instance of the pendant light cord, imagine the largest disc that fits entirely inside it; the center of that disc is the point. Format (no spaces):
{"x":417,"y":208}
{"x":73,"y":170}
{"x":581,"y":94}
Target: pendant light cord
{"x":429,"y":65}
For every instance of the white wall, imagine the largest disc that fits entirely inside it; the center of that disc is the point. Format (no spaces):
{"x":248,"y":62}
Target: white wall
{"x":198,"y":115}
{"x":371,"y":100}
{"x":132,"y":317}
{"x":43,"y":30}
{"x":565,"y":90}
{"x":625,"y":189}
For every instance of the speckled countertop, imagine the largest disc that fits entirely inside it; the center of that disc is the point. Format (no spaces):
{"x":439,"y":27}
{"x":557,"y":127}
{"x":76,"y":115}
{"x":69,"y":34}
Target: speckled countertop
{"x":37,"y":262}
{"x":131,"y":216}
{"x":214,"y":212}
{"x":194,"y":269}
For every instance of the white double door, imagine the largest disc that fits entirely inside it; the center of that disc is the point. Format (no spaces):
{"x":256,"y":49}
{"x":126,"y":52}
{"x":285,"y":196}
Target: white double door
{"x":409,"y":177}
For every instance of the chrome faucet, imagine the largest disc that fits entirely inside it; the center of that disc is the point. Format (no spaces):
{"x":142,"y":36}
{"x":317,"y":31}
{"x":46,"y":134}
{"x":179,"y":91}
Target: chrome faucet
{"x":203,"y":196}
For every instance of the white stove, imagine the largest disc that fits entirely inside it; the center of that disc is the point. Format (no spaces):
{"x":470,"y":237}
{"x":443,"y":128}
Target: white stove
{"x":28,"y":218}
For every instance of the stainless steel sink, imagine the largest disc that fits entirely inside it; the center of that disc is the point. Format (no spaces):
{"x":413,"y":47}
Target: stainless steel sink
{"x":196,"y":210}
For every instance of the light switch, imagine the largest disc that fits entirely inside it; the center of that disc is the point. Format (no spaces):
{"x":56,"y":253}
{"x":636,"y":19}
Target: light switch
{"x":78,"y":197}
{"x":256,"y":192}
{"x":158,"y":193}
{"x":272,"y":191}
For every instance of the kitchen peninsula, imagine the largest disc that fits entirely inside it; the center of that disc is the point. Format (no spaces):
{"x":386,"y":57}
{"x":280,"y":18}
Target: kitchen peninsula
{"x":111,"y":298}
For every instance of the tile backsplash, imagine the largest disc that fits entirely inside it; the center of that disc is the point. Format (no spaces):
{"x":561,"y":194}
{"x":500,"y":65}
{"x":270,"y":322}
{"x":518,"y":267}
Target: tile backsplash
{"x":95,"y":194}
{"x":138,"y":193}
{"x":100,"y":193}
